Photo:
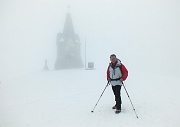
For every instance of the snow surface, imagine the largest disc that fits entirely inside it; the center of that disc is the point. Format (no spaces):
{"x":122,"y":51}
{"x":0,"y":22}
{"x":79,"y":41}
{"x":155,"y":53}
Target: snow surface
{"x":65,"y":98}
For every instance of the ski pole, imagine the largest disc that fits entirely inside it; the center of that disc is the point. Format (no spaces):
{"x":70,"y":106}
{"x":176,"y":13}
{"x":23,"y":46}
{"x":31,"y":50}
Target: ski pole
{"x":100,"y":97}
{"x":130,"y":99}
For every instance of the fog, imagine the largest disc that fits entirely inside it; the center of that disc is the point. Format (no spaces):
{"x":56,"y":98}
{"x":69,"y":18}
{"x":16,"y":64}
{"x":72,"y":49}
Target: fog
{"x":144,"y":34}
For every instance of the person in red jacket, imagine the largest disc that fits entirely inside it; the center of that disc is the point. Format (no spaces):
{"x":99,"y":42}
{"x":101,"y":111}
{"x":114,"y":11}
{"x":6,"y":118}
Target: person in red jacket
{"x":116,"y":74}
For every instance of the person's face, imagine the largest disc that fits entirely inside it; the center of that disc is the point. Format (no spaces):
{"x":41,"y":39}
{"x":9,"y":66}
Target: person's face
{"x":113,"y":59}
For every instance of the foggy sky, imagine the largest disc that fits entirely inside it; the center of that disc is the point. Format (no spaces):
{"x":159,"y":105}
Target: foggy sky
{"x":143,"y":33}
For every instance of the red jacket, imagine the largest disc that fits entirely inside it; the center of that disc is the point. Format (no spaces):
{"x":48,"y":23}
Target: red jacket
{"x":124,"y":72}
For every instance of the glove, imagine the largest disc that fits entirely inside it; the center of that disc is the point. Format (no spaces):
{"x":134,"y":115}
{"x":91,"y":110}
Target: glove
{"x":121,"y":80}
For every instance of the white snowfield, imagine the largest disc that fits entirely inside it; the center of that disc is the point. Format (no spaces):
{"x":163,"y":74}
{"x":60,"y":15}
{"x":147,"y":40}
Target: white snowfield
{"x":65,"y":98}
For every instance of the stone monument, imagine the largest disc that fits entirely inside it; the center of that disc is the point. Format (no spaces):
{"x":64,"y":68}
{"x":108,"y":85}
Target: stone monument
{"x":68,"y":47}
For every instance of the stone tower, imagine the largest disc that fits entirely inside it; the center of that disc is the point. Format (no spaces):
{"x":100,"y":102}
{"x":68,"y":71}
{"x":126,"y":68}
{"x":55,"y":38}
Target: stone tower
{"x":68,"y":47}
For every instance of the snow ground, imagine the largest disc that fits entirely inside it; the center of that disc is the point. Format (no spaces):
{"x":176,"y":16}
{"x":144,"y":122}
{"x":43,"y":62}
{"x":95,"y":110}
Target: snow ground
{"x":65,"y":98}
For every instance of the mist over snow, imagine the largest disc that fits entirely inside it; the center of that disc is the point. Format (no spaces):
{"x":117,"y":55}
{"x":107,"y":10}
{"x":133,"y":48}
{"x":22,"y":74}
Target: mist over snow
{"x":144,"y":34}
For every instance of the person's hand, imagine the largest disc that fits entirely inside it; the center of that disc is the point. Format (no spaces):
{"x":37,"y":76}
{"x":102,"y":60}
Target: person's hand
{"x":121,"y":80}
{"x":108,"y":79}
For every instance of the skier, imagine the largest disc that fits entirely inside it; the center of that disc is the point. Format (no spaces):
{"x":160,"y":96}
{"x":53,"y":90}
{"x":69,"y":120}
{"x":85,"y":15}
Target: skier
{"x":116,"y":74}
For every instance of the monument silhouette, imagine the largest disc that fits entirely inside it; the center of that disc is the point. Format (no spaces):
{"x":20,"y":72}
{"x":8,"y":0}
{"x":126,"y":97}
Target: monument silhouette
{"x":68,"y":47}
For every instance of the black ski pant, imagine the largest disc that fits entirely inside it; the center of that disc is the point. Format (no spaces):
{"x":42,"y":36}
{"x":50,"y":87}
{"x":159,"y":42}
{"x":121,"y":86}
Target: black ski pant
{"x":116,"y":90}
